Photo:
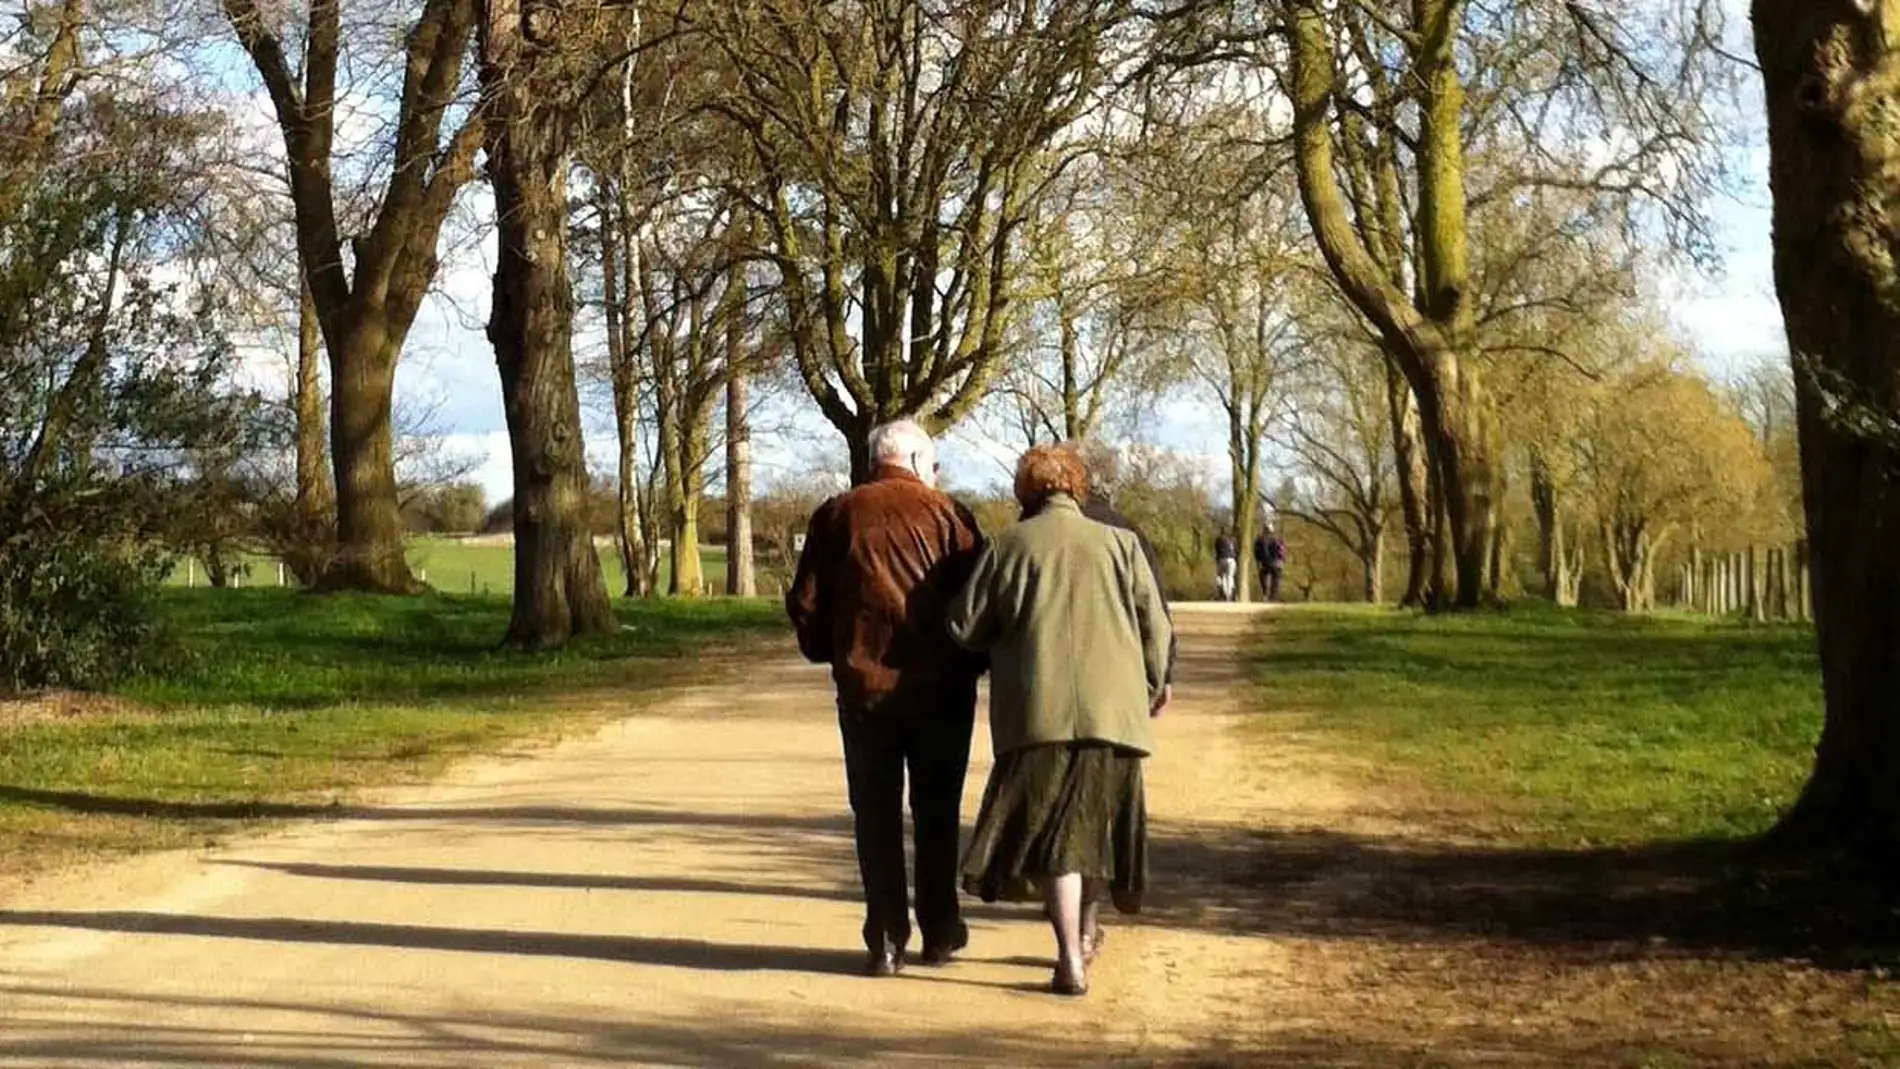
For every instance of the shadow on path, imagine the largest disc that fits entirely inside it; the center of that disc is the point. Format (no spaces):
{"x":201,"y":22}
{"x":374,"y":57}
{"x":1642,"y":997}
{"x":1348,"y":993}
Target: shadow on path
{"x":678,"y":953}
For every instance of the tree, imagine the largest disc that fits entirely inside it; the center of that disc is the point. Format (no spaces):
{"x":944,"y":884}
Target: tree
{"x":367,"y":286}
{"x":1238,"y":295}
{"x":1339,"y":434}
{"x":1422,"y":96}
{"x":1659,"y":451}
{"x":1083,"y":345}
{"x":116,"y":406}
{"x":898,"y":148}
{"x":533,"y":67}
{"x":1832,"y":81}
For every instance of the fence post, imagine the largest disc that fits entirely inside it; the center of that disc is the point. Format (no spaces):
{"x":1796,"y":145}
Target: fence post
{"x":1804,"y":583}
{"x":1757,"y":585}
{"x":280,"y":573}
{"x":471,"y":580}
{"x":191,"y":573}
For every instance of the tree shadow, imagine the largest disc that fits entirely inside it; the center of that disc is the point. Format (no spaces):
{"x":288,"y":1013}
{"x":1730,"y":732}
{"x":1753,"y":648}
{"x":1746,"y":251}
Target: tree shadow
{"x":446,"y":877}
{"x":361,"y":1037}
{"x":642,"y":950}
{"x":115,"y":805}
{"x":1698,"y":898}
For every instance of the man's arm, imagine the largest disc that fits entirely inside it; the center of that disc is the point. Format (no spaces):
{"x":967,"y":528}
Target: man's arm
{"x":971,"y":618}
{"x":808,"y":602}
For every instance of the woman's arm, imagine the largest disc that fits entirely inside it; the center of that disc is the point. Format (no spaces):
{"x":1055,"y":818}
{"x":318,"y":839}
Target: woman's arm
{"x":1157,"y":630}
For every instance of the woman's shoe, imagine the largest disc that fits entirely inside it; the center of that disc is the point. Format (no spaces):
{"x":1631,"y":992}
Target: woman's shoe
{"x":1092,"y":945}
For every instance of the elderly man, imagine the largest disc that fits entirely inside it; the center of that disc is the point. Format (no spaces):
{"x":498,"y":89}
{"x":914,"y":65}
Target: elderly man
{"x":880,"y":565}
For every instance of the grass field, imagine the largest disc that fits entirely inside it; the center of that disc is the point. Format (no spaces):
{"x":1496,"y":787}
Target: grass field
{"x":454,"y":566}
{"x":277,"y":701}
{"x":1577,"y":728}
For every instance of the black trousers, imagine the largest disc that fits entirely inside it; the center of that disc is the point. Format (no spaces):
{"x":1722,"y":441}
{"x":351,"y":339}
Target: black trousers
{"x":1270,"y":578}
{"x":930,"y":738}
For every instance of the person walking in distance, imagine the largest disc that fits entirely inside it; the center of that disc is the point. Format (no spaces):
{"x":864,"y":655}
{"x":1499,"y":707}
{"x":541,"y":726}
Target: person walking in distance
{"x":1270,"y":554}
{"x":1227,"y":566}
{"x":880,"y":565}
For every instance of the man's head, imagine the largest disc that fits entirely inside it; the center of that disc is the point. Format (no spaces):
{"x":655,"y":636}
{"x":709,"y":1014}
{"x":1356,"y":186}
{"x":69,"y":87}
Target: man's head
{"x":904,"y":444}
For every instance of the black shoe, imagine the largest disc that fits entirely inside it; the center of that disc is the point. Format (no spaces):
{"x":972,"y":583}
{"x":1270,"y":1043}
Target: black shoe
{"x":943,"y":954}
{"x":884,"y":963}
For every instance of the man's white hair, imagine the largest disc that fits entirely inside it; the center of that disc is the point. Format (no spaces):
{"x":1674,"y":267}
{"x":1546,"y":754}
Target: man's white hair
{"x":904,"y":444}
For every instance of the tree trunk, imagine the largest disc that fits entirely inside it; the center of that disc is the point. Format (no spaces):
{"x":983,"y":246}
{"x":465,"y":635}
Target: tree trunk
{"x":1462,"y":435}
{"x":1552,"y":554}
{"x":623,"y":347}
{"x":685,"y":471}
{"x":1244,"y":468}
{"x":858,"y":441}
{"x":741,"y":575}
{"x":369,"y":532}
{"x":1832,"y":81}
{"x":559,"y":592}
{"x":313,"y":482}
{"x":1372,"y":558}
{"x":1438,"y":588}
{"x":1414,"y":484}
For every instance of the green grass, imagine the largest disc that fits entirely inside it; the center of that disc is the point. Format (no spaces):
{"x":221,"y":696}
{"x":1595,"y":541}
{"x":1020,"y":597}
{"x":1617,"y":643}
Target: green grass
{"x":276,"y":697}
{"x":454,"y":566}
{"x":1577,"y":728}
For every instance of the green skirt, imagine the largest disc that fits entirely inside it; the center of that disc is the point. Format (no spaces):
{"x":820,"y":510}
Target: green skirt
{"x":1056,"y":809}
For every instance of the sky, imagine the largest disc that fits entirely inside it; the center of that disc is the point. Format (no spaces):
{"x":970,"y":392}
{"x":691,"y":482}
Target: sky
{"x":1728,"y":314}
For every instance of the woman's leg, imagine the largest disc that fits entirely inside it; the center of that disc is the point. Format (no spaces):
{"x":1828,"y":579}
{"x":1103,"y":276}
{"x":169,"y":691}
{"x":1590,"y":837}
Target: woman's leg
{"x":1092,"y":895}
{"x":1064,"y":899}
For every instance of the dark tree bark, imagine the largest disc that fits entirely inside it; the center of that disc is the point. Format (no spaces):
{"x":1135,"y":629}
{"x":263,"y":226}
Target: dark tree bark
{"x":366,"y":302}
{"x":1832,"y":81}
{"x":559,"y":591}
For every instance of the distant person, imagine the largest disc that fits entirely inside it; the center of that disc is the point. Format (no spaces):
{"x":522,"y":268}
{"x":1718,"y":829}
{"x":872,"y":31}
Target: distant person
{"x":1074,"y":623}
{"x":879,"y":567}
{"x":1270,"y":554}
{"x":1102,"y":468}
{"x":1227,"y":565}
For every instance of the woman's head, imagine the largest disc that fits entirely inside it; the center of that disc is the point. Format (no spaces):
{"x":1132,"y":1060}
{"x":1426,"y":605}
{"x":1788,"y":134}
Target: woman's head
{"x":1048,"y":470}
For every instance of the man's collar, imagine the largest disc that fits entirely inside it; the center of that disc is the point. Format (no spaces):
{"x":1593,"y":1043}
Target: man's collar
{"x":893,"y":471}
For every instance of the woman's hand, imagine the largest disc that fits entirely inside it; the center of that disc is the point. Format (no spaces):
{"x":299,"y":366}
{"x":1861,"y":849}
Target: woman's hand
{"x":1162,"y":700}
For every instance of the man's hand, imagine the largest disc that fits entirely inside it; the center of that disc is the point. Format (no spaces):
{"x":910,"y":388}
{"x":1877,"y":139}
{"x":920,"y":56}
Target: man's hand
{"x":1161,"y":701}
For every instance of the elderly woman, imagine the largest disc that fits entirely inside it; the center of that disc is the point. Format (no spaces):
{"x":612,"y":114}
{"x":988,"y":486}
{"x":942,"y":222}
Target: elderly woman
{"x":1069,"y":613}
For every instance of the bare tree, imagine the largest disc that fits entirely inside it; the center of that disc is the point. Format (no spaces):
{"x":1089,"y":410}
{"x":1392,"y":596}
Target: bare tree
{"x":1339,"y":434}
{"x":899,"y":147}
{"x":367,"y":286}
{"x":1237,"y":291}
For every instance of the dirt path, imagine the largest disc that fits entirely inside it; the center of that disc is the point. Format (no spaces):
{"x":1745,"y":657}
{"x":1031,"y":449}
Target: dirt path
{"x":679,"y":891}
